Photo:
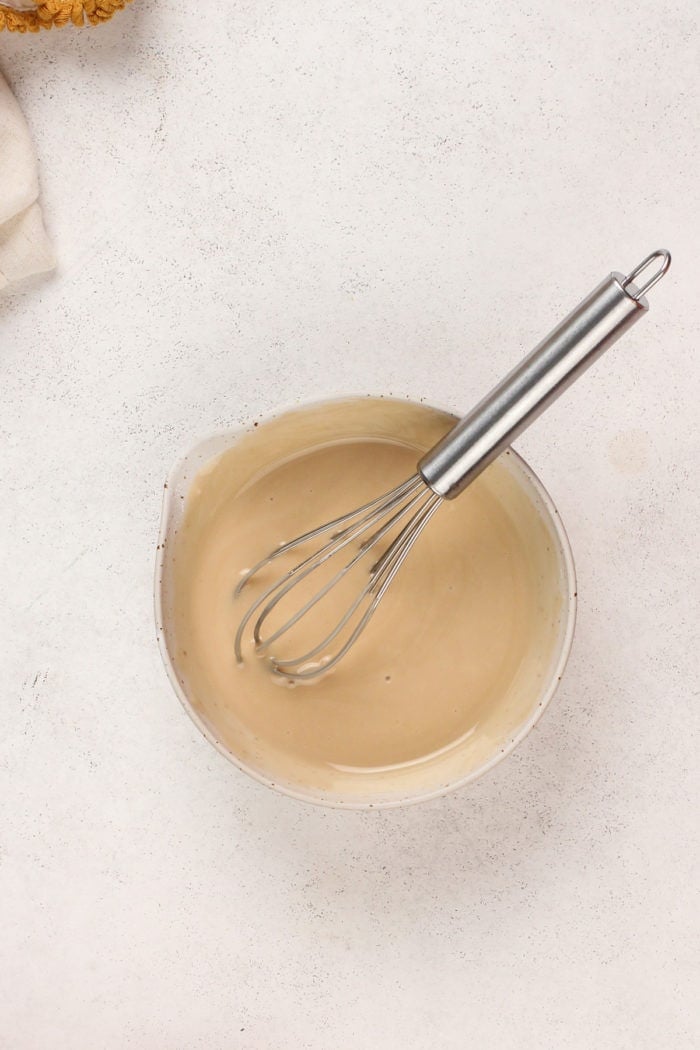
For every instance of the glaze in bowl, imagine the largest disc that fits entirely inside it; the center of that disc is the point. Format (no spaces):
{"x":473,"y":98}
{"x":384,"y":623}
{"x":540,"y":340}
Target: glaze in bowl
{"x":381,"y":419}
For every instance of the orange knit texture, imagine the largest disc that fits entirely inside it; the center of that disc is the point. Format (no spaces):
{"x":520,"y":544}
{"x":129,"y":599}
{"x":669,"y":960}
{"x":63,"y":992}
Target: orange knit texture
{"x":57,"y":13}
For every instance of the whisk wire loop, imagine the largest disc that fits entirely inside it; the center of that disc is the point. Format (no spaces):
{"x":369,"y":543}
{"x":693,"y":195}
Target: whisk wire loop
{"x":410,"y":497}
{"x":381,"y":576}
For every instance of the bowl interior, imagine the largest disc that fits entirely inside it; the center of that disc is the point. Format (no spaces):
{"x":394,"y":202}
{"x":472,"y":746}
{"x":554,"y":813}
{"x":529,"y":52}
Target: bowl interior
{"x":417,"y":426}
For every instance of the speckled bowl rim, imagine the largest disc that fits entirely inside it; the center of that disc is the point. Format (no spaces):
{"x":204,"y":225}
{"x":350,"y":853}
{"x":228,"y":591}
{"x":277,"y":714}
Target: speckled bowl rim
{"x":226,"y":439}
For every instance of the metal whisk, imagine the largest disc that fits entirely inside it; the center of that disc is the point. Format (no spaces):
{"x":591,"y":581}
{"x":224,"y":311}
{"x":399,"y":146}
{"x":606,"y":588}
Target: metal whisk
{"x":443,"y":472}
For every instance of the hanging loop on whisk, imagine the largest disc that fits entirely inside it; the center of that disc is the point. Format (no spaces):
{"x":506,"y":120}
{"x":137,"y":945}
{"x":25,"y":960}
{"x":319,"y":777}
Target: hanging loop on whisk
{"x":661,"y":253}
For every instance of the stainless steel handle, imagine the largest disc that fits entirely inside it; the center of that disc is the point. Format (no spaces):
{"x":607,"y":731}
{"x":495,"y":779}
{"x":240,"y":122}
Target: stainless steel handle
{"x":596,"y":323}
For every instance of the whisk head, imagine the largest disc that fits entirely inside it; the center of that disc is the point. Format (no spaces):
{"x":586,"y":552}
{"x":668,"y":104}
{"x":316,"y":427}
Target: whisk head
{"x":378,"y":535}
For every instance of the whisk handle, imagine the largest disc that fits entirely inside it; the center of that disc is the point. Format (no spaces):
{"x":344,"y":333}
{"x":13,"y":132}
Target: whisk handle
{"x":596,"y":323}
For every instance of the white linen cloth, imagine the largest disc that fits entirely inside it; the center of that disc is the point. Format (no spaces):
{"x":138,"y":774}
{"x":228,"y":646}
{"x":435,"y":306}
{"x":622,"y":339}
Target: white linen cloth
{"x":24,"y":247}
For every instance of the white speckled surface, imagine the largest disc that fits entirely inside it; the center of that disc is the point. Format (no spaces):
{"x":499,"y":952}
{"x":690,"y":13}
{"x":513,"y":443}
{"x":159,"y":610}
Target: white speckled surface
{"x":303,"y":199}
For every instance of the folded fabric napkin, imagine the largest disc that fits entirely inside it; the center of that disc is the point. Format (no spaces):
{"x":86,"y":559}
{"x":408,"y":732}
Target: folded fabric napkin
{"x":24,"y":247}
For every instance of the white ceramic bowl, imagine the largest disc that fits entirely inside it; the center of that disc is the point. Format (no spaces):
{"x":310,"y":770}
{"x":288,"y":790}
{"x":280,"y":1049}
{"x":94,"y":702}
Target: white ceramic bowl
{"x":175,"y":498}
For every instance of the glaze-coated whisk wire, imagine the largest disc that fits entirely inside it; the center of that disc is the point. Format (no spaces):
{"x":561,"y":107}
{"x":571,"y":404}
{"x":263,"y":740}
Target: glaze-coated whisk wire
{"x":367,"y":526}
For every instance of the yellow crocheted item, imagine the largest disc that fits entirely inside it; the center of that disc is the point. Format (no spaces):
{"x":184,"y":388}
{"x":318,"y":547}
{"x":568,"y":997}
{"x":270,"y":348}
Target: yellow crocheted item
{"x":47,"y":13}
